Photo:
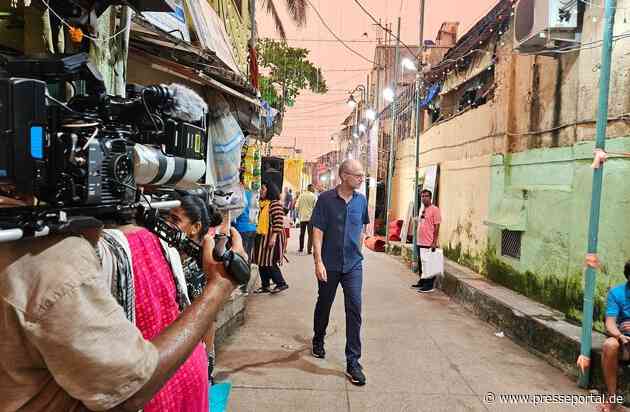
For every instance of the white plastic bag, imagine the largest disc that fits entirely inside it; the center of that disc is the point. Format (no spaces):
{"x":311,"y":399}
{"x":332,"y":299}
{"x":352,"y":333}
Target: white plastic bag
{"x":432,"y":263}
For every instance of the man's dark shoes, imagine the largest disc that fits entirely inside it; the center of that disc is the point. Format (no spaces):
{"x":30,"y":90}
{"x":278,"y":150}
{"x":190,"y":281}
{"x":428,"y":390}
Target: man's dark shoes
{"x":428,"y":286}
{"x":420,"y":283}
{"x":355,"y":374}
{"x":279,"y":289}
{"x":262,"y":290}
{"x":318,"y":350}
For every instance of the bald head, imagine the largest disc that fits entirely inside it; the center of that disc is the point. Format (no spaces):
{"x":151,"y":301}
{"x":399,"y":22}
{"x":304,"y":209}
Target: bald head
{"x":350,"y":166}
{"x":351,"y":174}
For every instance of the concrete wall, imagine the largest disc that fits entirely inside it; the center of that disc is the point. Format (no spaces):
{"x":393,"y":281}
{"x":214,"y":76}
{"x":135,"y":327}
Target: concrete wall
{"x":462,"y":147}
{"x":555,"y":185}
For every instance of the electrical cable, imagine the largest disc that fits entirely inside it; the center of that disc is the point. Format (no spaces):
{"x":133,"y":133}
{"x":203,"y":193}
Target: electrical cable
{"x":65,"y":106}
{"x":94,"y":39}
{"x":316,"y":110}
{"x":326,"y":40}
{"x":413,"y":53}
{"x":337,"y":37}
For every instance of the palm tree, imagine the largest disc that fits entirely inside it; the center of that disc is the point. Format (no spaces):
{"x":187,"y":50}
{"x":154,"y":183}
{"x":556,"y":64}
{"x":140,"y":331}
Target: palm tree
{"x":297,"y":11}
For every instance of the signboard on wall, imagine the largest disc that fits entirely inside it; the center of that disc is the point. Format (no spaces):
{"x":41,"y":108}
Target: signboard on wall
{"x":173,"y":22}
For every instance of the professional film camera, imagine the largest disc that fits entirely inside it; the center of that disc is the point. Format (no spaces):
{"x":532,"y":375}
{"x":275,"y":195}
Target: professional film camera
{"x":82,"y":157}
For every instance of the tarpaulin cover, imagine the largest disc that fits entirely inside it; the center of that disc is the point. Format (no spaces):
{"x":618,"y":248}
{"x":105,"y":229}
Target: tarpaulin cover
{"x":433,"y":91}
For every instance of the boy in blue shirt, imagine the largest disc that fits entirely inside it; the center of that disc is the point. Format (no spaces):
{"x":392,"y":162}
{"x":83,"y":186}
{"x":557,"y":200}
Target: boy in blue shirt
{"x":617,"y":346}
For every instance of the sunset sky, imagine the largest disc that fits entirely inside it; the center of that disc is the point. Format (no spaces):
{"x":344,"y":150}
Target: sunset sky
{"x":314,"y":118}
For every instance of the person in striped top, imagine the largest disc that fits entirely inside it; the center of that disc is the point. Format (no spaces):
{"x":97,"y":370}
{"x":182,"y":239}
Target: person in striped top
{"x":270,"y":240}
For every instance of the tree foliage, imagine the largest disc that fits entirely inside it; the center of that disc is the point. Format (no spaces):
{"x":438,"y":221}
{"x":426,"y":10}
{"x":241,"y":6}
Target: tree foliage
{"x":287,"y":71}
{"x":296,"y":9}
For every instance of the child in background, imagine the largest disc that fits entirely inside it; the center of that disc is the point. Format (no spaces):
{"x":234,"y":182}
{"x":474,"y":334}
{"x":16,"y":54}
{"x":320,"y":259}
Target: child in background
{"x":287,"y":227}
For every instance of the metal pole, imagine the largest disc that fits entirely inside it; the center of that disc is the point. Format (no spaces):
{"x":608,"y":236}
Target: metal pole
{"x":392,"y":139}
{"x":414,"y":255}
{"x":593,"y":226}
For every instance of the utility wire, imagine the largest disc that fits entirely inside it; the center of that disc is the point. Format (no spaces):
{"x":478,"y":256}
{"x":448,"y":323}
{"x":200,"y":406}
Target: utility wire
{"x":328,"y":40}
{"x":337,"y":37}
{"x":98,"y":42}
{"x":413,"y":53}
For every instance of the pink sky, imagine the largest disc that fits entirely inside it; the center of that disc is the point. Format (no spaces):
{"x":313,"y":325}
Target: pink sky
{"x":314,"y":118}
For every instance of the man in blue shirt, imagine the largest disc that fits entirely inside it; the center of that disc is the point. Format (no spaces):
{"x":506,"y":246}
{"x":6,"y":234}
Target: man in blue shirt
{"x":339,"y":221}
{"x":618,"y":327}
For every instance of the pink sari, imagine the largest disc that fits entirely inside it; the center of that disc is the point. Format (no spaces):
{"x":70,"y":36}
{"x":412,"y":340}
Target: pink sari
{"x":156,"y":308}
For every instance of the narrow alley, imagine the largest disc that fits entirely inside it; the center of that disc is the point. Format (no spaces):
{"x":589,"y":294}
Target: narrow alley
{"x":420,"y":352}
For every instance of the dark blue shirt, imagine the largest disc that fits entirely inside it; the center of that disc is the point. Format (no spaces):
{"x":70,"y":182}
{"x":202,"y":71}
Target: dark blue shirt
{"x":618,"y":305}
{"x":342,"y":224}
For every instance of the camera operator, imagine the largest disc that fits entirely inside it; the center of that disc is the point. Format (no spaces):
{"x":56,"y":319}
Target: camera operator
{"x":66,"y":342}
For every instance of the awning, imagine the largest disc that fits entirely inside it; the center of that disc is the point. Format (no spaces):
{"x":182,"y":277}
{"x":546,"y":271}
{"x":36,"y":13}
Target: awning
{"x":211,"y":32}
{"x":155,"y":42}
{"x":192,"y":75}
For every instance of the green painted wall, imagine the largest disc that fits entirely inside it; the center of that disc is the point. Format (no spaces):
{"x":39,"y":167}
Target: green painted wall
{"x":547,"y":192}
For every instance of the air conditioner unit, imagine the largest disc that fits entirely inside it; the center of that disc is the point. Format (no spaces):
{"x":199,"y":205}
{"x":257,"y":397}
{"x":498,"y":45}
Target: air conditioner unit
{"x":544,"y":25}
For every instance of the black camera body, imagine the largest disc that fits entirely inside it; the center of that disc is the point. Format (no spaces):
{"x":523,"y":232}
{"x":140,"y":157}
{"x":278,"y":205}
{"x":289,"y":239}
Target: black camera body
{"x":81,"y":153}
{"x":62,"y":164}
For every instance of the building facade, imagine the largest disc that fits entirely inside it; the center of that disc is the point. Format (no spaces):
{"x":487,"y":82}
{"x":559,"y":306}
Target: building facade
{"x":513,"y":136}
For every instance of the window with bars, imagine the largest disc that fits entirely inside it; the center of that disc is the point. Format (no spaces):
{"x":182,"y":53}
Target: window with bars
{"x":511,"y":243}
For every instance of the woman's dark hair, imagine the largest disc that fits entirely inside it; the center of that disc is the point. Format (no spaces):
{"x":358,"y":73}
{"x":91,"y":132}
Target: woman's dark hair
{"x":272,"y":190}
{"x":626,"y":270}
{"x":198,"y":211}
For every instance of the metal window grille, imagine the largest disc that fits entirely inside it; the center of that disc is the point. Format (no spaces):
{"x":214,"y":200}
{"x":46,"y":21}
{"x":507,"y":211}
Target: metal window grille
{"x":511,"y":243}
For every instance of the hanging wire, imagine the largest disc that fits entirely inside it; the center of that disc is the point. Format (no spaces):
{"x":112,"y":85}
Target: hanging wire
{"x":98,"y":42}
{"x":378,"y":23}
{"x":337,"y":37}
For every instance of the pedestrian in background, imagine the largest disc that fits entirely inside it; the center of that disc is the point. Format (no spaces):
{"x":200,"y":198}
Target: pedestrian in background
{"x":287,"y":228}
{"x":339,"y":221}
{"x":305,"y":205}
{"x":244,"y":223}
{"x":427,"y":237}
{"x":270,"y":240}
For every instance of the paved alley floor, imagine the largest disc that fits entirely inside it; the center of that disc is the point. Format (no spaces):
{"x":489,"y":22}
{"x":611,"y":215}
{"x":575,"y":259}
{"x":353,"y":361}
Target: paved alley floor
{"x":420,"y":352}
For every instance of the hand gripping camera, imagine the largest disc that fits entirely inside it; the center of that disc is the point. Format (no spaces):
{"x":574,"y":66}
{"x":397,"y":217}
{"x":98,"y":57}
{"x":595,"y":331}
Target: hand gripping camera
{"x":234,"y":263}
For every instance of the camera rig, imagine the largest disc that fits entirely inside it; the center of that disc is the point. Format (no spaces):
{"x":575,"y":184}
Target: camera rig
{"x":81,"y":157}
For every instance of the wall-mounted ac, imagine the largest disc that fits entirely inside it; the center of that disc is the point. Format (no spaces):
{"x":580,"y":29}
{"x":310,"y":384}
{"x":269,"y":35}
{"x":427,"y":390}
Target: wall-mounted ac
{"x":541,"y":26}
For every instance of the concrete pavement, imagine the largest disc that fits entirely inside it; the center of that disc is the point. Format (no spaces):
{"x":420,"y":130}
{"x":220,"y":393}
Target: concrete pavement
{"x":420,"y":352}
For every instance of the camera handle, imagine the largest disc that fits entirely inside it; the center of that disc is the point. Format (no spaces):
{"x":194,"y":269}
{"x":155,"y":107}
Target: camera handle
{"x":234,"y":263}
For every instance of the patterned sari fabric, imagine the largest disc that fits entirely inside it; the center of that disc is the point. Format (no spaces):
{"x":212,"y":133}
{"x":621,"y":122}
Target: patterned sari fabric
{"x":263,"y":255}
{"x":156,"y":308}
